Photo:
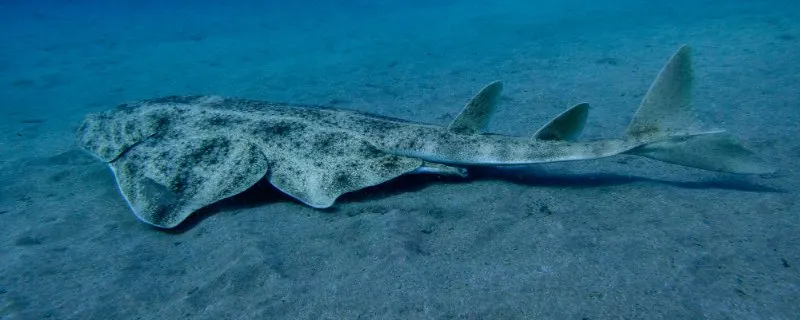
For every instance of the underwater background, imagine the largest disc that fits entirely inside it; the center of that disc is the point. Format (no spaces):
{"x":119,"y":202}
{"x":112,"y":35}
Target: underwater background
{"x":621,"y":237}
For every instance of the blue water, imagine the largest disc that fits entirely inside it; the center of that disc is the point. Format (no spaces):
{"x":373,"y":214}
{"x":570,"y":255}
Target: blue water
{"x":614,"y":238}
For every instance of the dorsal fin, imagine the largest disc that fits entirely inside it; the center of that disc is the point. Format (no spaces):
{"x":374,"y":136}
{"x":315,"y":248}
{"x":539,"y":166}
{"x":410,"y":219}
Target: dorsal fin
{"x":477,"y":112}
{"x":566,"y":126}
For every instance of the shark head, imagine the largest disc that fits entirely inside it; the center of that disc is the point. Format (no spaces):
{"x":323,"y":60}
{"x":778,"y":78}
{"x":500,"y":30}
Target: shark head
{"x":109,"y":134}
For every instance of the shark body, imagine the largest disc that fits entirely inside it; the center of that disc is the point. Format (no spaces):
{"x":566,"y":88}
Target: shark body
{"x":174,"y":155}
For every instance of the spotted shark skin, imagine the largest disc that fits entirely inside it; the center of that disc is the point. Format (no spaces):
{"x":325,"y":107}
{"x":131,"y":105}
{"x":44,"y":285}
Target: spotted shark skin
{"x":174,"y":155}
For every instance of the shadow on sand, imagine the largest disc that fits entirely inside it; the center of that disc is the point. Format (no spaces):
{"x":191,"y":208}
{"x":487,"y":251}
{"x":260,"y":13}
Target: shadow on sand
{"x":263,"y":193}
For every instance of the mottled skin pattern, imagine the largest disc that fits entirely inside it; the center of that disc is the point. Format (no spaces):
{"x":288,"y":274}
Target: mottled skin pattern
{"x":166,"y":180}
{"x":172,"y":156}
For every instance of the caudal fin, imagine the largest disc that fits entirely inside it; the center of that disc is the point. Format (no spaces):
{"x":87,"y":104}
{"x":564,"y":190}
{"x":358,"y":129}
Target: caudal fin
{"x":671,"y":131}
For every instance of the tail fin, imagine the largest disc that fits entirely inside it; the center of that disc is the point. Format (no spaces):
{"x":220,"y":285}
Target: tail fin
{"x":672,"y":132}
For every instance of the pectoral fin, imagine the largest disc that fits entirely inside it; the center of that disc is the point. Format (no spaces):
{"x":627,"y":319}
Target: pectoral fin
{"x":165,"y":181}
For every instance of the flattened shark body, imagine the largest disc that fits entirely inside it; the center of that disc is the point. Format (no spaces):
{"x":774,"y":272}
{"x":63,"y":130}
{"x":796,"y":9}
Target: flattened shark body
{"x":172,"y":156}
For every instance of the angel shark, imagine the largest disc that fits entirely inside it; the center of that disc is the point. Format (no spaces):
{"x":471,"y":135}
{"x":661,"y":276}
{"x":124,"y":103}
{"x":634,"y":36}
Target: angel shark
{"x":174,"y":155}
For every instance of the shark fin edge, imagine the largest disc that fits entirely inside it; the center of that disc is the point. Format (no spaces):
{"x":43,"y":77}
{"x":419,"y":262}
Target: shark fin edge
{"x":567,"y":126}
{"x":670,"y":130}
{"x":476,"y":114}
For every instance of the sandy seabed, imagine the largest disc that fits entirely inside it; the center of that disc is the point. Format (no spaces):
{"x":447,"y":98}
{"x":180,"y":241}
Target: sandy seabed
{"x":622,"y":237}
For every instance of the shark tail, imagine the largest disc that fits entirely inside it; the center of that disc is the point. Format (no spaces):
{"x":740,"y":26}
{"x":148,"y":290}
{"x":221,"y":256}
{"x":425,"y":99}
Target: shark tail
{"x":670,"y":130}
